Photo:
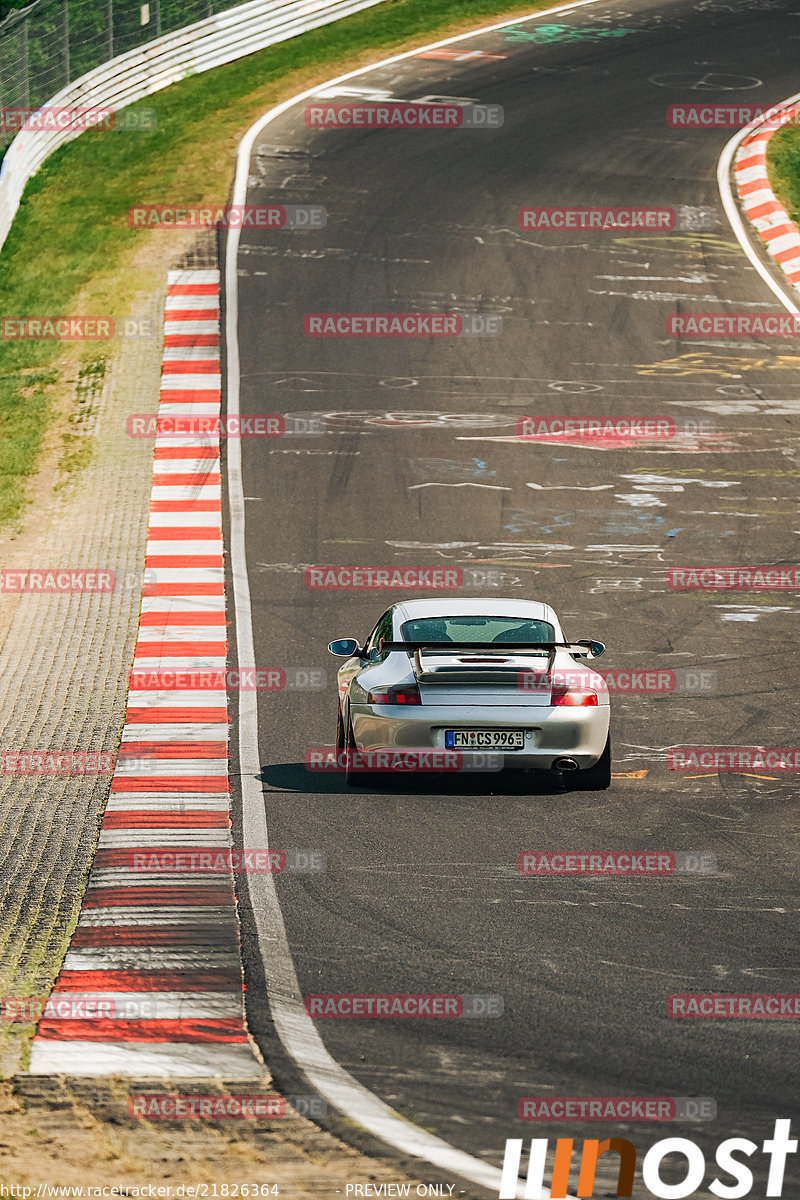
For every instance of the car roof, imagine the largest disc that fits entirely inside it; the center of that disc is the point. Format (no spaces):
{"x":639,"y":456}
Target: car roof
{"x":484,"y":606}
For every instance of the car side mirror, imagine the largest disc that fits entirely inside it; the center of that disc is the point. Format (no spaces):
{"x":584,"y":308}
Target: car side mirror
{"x":593,"y":649}
{"x":344,"y":647}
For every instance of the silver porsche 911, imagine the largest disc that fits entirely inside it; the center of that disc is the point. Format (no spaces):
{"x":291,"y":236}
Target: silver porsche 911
{"x":473,"y":678}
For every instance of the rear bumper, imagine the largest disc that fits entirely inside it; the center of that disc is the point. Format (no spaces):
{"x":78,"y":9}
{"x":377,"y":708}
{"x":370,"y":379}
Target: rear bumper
{"x":550,"y":733}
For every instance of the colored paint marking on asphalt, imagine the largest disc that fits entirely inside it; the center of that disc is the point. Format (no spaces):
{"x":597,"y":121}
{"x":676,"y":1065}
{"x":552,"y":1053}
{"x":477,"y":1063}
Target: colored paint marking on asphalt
{"x":542,"y":35}
{"x":451,"y":55}
{"x":715,"y":775}
{"x":158,"y":956}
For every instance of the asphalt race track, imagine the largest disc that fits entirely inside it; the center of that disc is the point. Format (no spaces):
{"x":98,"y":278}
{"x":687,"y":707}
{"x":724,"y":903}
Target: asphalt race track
{"x":419,"y":465}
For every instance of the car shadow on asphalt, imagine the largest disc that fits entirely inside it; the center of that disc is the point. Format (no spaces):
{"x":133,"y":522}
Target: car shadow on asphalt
{"x":296,"y":777}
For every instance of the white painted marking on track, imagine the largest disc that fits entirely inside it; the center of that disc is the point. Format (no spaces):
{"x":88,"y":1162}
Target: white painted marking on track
{"x":201,"y":440}
{"x":185,"y":520}
{"x":182,"y":379}
{"x":187,"y":549}
{"x":157,"y":1006}
{"x":191,"y":354}
{"x":192,"y":276}
{"x":162,"y":768}
{"x":188,"y":491}
{"x":167,"y":698}
{"x":145,"y":662}
{"x":149,"y":958}
{"x":183,"y":604}
{"x":168,"y":802}
{"x":123,"y":877}
{"x":491,"y":487}
{"x":185,"y":303}
{"x":176,"y":732}
{"x":190,"y":574}
{"x":168,"y":1060}
{"x":183,"y":327}
{"x":573,"y":487}
{"x":181,"y":633}
{"x":208,"y":916}
{"x":190,"y":408}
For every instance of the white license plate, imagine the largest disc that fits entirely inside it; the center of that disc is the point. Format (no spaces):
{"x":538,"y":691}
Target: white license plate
{"x":484,"y":739}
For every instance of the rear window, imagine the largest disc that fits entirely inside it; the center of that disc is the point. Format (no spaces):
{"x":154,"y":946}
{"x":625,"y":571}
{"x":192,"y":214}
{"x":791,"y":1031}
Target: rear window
{"x":477,"y":629}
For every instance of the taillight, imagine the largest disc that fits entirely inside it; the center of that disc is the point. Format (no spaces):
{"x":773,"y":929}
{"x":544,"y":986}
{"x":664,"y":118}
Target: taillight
{"x":577,"y":699}
{"x":395,"y":695}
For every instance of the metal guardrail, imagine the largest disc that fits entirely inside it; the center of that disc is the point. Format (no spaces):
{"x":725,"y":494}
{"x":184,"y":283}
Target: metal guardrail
{"x":49,"y":43}
{"x":136,"y":73}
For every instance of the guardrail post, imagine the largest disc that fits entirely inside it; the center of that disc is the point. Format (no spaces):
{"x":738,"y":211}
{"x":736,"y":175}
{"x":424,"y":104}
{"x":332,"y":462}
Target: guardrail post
{"x":65,"y":40}
{"x":23,"y":44}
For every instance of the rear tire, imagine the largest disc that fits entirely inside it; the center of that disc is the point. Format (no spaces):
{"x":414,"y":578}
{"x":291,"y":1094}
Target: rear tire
{"x":355,"y":777}
{"x":350,"y":775}
{"x":598,"y":777}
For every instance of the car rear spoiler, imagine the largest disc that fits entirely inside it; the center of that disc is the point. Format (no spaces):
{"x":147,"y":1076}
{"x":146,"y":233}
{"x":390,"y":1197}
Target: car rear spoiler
{"x":584,"y":649}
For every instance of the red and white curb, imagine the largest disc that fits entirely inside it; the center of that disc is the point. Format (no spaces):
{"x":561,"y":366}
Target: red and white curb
{"x":767,"y":216}
{"x":158,"y":954}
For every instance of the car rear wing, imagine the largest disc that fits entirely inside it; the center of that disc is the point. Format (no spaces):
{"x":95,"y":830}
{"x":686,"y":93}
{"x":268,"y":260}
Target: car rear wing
{"x":583,"y":649}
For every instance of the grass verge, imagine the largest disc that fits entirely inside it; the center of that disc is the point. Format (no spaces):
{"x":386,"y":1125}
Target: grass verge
{"x":71,"y":252}
{"x":783,"y":169}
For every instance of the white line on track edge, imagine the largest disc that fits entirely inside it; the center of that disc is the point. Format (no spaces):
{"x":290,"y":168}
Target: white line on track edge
{"x":294,"y":1027}
{"x":731,"y":205}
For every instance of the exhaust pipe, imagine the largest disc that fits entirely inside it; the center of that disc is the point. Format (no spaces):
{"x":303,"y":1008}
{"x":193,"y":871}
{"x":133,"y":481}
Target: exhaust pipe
{"x":565,"y":764}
